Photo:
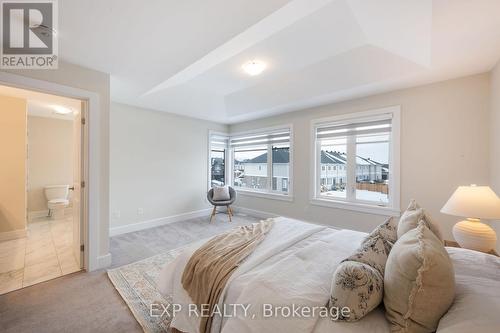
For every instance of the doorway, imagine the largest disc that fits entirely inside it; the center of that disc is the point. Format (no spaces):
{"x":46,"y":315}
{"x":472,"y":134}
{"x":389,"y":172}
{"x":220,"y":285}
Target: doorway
{"x":42,"y":200}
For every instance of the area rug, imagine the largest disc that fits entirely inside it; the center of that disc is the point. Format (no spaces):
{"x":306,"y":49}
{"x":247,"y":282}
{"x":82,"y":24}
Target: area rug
{"x":137,"y":285}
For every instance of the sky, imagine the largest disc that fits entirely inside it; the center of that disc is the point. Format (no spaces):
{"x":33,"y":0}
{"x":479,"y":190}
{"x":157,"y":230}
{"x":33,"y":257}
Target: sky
{"x":377,"y":152}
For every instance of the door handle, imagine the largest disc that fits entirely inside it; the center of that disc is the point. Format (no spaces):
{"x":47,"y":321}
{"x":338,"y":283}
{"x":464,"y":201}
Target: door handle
{"x":72,"y":188}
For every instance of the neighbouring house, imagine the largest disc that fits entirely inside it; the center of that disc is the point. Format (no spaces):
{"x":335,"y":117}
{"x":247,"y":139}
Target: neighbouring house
{"x":334,"y":172}
{"x":253,"y":173}
{"x":217,"y":171}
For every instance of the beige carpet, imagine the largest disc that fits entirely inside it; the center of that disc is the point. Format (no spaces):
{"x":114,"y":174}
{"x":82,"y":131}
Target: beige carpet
{"x":88,"y":302}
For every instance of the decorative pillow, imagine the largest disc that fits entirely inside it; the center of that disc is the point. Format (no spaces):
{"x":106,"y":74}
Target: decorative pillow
{"x":376,"y":246}
{"x":419,"y":282}
{"x":372,"y":252}
{"x":411,"y":217}
{"x":388,"y":231}
{"x":221,"y":193}
{"x":355,"y":286}
{"x":364,"y":270}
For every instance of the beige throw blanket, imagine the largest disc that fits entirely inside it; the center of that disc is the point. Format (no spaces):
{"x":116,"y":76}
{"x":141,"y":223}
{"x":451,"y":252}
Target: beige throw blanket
{"x":210,"y":267}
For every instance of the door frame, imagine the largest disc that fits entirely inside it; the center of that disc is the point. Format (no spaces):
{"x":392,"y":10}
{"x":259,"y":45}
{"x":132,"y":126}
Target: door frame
{"x":84,"y":176}
{"x":90,"y":196}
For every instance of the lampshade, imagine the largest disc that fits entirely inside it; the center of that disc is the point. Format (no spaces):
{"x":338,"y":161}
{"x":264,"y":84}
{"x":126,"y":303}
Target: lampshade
{"x":473,"y":202}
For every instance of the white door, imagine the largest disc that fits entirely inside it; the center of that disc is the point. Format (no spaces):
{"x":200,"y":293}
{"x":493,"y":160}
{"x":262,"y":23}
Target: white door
{"x":77,"y":189}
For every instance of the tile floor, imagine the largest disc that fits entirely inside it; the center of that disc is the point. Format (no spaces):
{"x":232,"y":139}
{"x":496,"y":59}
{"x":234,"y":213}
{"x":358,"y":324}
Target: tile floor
{"x":46,"y":253}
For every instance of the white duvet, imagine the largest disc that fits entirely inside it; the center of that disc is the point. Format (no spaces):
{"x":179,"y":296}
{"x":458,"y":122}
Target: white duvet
{"x":292,"y":266}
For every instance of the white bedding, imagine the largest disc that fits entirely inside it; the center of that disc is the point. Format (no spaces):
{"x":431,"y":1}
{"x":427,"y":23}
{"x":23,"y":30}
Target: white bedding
{"x":293,"y":265}
{"x":476,"y":307}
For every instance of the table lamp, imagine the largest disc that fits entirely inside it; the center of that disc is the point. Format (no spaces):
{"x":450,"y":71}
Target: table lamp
{"x":474,"y":203}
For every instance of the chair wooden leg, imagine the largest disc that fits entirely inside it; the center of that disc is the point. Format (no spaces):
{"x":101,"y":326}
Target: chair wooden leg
{"x":230,"y":213}
{"x":214,"y":211}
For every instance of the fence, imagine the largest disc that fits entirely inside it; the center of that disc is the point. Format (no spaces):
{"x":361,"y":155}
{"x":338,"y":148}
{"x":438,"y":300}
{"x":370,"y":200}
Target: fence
{"x":373,"y":187}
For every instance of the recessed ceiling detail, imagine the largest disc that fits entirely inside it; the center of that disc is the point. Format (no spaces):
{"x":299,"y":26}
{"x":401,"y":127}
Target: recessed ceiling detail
{"x":186,"y":57}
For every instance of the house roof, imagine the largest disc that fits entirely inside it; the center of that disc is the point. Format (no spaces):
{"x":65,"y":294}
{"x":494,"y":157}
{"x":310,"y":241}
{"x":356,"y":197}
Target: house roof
{"x":333,"y":157}
{"x":282,"y":155}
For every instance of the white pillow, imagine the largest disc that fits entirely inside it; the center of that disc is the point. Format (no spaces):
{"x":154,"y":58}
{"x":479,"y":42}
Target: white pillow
{"x":221,"y":193}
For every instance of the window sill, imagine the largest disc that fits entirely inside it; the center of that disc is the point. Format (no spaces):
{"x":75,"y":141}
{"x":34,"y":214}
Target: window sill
{"x":267,"y":195}
{"x":358,"y":207}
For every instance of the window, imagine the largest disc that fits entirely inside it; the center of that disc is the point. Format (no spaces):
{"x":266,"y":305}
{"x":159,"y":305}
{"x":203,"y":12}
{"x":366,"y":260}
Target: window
{"x":284,"y":184}
{"x":217,"y":159}
{"x":372,"y":168}
{"x":261,"y":161}
{"x":333,"y":153}
{"x":281,"y":166}
{"x":250,"y":168}
{"x":361,"y":149}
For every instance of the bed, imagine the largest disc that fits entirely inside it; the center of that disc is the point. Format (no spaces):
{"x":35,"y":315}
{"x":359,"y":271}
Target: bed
{"x":293,"y":266}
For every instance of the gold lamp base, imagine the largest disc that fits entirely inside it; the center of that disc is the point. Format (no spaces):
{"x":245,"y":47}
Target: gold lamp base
{"x":474,"y":235}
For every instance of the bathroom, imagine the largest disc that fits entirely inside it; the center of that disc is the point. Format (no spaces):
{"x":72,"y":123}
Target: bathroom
{"x":40,"y":226}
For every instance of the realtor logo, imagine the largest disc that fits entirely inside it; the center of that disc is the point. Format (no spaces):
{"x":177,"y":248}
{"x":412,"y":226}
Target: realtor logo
{"x":29,"y":38}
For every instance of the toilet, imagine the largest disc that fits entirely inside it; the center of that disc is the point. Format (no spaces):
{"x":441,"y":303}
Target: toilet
{"x":57,"y":200}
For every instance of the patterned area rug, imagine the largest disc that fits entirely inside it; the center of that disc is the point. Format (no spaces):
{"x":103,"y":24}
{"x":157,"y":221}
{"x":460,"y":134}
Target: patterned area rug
{"x":137,"y":285}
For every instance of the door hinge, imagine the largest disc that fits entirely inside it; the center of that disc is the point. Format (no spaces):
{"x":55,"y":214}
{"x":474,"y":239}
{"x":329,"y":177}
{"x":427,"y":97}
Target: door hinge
{"x":82,"y":184}
{"x":82,"y":247}
{"x":83,"y":121}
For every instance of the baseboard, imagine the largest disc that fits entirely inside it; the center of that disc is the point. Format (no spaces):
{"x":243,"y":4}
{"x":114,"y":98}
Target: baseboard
{"x":37,"y":213}
{"x":254,"y":212}
{"x":44,"y":213}
{"x":114,"y":231}
{"x":104,"y":261}
{"x":15,"y":234}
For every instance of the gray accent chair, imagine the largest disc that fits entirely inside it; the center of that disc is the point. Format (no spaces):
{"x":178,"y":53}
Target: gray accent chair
{"x":227,"y":203}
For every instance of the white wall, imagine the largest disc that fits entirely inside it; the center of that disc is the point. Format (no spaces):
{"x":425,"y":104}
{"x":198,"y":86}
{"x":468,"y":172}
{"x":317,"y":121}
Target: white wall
{"x":158,"y":163}
{"x":495,"y":136}
{"x":50,"y":157}
{"x":444,"y":144}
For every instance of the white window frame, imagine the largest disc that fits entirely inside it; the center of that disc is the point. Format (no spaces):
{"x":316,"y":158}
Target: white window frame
{"x":393,"y":206}
{"x":269,"y":194}
{"x":227,"y":176}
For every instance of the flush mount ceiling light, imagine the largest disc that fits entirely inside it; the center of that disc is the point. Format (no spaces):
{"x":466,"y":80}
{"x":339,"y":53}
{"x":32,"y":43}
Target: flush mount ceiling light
{"x":254,"y":67}
{"x":61,"y":110}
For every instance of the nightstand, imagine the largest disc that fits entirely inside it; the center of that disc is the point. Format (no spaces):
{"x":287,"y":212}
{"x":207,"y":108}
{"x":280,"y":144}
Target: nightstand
{"x":452,"y":243}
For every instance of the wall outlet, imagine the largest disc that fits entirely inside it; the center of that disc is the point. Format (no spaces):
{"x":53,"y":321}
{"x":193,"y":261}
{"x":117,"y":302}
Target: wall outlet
{"x":140,"y":211}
